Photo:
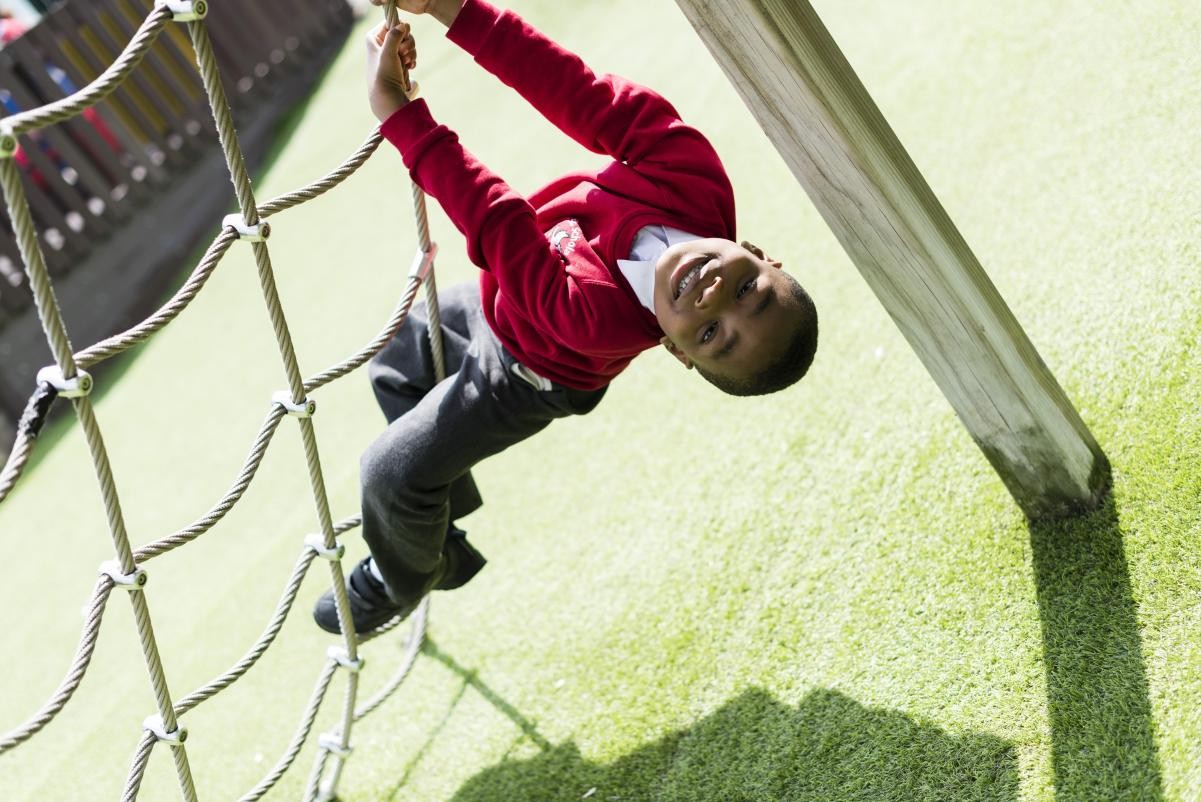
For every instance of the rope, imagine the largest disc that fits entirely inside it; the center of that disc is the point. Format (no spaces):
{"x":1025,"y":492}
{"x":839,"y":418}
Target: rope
{"x":28,"y":428}
{"x":138,"y":768}
{"x":35,"y":267}
{"x":323,"y":185}
{"x":218,"y":511}
{"x":125,"y":570}
{"x":372,"y":348}
{"x":167,"y":312}
{"x":98,"y":89}
{"x":266,"y":639}
{"x":312,"y":787}
{"x":412,"y":649}
{"x":17,"y":459}
{"x":302,"y":733}
{"x":83,"y":657}
{"x":118,"y":343}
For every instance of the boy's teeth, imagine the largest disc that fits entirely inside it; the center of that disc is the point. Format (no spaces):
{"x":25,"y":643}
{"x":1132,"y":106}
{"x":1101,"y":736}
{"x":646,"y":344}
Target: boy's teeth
{"x":688,"y":277}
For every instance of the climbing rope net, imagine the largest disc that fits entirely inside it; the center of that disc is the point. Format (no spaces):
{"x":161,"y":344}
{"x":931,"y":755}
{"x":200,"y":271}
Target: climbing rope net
{"x":68,"y":378}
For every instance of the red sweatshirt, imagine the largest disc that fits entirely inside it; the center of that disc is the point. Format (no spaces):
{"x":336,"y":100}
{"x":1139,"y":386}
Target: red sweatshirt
{"x":551,"y":288}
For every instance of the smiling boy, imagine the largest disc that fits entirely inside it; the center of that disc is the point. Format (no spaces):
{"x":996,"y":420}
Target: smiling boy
{"x":731,"y":312}
{"x":576,"y":280}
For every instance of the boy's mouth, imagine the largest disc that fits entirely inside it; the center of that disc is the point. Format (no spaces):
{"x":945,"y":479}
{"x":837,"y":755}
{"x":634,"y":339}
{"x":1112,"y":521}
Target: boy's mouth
{"x":686,"y":274}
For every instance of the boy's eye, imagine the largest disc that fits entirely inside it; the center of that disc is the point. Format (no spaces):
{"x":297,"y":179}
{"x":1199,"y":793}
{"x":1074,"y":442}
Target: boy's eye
{"x":745,"y":288}
{"x":708,"y":333}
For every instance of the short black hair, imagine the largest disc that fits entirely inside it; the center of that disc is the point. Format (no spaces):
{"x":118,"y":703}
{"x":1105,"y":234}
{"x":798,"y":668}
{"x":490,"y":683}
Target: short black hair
{"x":790,"y":366}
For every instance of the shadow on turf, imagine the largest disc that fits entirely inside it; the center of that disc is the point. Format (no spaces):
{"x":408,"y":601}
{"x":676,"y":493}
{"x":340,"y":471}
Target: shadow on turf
{"x":834,"y":749}
{"x":755,"y":748}
{"x":1102,"y":734}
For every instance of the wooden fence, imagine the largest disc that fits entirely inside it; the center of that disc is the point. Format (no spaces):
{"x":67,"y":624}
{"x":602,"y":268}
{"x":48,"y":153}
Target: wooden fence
{"x":124,"y":192}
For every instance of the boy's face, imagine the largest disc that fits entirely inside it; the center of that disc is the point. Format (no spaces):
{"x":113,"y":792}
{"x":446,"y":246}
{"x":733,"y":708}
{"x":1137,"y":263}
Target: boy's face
{"x":722,"y":306}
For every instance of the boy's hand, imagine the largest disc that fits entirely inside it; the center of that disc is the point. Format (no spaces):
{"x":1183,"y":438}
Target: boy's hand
{"x":389,"y":54}
{"x":444,"y":10}
{"x":411,"y":6}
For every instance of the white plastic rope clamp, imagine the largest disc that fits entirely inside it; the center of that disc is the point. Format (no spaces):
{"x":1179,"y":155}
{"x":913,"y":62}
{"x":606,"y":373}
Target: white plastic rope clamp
{"x":333,"y":744}
{"x":134,"y":581}
{"x":8,"y":141}
{"x":78,"y":385}
{"x":304,"y":409}
{"x":338,"y":655}
{"x":423,"y":262}
{"x":184,"y":10}
{"x":255,"y":233}
{"x":317,"y":543}
{"x":155,"y":725}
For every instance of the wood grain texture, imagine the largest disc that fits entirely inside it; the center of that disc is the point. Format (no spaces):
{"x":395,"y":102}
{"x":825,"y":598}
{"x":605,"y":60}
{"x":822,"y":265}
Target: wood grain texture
{"x":800,"y":87}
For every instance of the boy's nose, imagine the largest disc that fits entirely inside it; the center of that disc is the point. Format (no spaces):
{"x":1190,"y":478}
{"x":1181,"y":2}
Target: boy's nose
{"x":710,"y":295}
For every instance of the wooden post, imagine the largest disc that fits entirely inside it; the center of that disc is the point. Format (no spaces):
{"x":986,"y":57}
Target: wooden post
{"x":812,"y":106}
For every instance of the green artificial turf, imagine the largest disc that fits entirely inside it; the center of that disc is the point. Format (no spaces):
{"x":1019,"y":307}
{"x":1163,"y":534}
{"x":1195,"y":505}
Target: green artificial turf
{"x":825,"y":594}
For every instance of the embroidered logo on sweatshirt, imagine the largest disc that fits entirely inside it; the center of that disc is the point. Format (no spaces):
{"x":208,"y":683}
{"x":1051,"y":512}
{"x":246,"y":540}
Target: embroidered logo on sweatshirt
{"x":564,"y":236}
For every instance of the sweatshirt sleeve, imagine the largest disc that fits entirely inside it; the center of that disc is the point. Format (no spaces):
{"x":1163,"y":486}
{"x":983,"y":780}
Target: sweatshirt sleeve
{"x":604,"y":113}
{"x":499,"y":224}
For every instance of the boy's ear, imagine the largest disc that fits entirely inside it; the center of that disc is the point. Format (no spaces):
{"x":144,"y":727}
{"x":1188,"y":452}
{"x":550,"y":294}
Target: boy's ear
{"x":676,"y":352}
{"x":755,"y":249}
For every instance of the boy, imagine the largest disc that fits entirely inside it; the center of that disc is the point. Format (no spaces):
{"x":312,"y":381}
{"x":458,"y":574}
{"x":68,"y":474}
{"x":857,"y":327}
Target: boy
{"x":576,"y":280}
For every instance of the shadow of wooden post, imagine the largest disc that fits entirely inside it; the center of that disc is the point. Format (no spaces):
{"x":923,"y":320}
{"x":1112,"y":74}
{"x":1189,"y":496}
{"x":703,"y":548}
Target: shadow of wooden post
{"x":1102,"y":732}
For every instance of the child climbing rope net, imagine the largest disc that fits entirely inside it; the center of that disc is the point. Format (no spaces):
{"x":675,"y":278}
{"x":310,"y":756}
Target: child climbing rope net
{"x":577,"y":280}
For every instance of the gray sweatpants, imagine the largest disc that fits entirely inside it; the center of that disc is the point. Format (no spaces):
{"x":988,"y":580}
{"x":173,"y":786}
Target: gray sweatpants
{"x":416,"y":477}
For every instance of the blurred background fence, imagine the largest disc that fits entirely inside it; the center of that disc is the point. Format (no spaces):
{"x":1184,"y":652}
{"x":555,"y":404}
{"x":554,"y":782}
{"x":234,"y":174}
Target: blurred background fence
{"x":123,"y":194}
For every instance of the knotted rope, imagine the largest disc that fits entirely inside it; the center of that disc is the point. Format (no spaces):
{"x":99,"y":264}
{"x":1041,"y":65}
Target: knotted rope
{"x":66,"y":378}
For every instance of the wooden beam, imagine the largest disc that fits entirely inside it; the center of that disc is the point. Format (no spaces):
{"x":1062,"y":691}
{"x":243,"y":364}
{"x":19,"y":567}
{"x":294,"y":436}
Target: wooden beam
{"x":813,"y":107}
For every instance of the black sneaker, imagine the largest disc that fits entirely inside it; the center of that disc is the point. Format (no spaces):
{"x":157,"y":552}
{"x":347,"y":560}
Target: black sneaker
{"x":370,"y":606}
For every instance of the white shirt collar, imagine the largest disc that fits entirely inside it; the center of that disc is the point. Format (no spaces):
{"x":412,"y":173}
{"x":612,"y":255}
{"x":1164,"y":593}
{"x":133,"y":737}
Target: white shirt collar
{"x":649,"y":244}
